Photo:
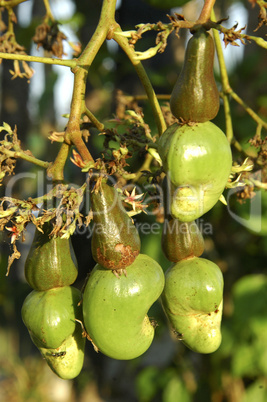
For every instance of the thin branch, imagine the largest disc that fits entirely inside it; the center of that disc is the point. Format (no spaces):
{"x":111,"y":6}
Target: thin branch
{"x":11,"y":3}
{"x":100,"y":126}
{"x":158,"y":116}
{"x":225,"y":85}
{"x":249,"y":111}
{"x":206,"y":11}
{"x":105,"y":25}
{"x":145,"y":98}
{"x":49,"y":14}
{"x":228,"y":91}
{"x":146,"y":166}
{"x":36,"y":59}
{"x":56,"y":170}
{"x":73,"y":133}
{"x":25,"y":156}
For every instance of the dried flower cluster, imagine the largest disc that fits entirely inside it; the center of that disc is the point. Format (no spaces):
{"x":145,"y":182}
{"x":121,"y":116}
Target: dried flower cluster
{"x":50,"y":38}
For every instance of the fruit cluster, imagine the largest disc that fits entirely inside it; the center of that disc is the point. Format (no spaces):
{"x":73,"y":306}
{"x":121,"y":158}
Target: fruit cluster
{"x":193,"y":294}
{"x":124,"y":284}
{"x":51,"y":309}
{"x":115,"y":306}
{"x":197,"y":160}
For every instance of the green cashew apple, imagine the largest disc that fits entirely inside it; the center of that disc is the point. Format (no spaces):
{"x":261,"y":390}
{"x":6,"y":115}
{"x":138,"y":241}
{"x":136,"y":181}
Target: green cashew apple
{"x":51,"y":262}
{"x":50,"y":315}
{"x":197,"y":160}
{"x":192,"y":300}
{"x":115,"y":307}
{"x":67,"y":360}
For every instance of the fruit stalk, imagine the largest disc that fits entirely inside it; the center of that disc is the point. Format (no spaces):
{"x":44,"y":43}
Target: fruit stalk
{"x":206,"y":11}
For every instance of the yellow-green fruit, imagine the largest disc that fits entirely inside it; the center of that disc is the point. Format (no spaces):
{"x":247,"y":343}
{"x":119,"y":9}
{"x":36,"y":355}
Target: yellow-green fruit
{"x":197,"y":160}
{"x":51,"y":262}
{"x":50,"y":315}
{"x":115,"y":308}
{"x":193,"y":300}
{"x":67,"y":360}
{"x":195,"y":96}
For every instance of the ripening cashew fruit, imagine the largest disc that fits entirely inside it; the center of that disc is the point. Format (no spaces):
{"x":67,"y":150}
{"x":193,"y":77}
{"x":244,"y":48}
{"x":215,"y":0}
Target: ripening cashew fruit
{"x":50,"y":315}
{"x":51,"y":262}
{"x":67,"y":360}
{"x":197,"y":160}
{"x":192,"y":300}
{"x":115,"y":307}
{"x":115,"y":242}
{"x":195,"y":96}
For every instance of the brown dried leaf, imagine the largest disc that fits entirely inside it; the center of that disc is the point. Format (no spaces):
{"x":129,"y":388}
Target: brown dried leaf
{"x":14,"y":256}
{"x":231,"y":35}
{"x":50,"y":38}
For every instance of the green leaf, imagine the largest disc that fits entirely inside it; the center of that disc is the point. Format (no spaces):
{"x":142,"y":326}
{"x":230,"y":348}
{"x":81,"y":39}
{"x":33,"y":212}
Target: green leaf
{"x":147,"y":383}
{"x":250,"y":302}
{"x":256,"y":392}
{"x":175,"y":391}
{"x":243,"y":361}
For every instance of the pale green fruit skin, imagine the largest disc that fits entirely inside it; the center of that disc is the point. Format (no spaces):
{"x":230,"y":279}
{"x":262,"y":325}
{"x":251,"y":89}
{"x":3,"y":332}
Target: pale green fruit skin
{"x":197,"y":160}
{"x":50,"y":315}
{"x":192,"y":300}
{"x":115,"y":308}
{"x":66,"y":361}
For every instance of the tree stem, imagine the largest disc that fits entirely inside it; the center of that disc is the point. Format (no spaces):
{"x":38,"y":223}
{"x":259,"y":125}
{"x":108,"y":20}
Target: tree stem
{"x":225,"y":84}
{"x":11,"y":3}
{"x":45,"y":60}
{"x":100,"y":126}
{"x":26,"y":157}
{"x":206,"y":12}
{"x":228,"y":91}
{"x":49,"y":14}
{"x":56,"y":171}
{"x":73,"y":133}
{"x":106,"y":23}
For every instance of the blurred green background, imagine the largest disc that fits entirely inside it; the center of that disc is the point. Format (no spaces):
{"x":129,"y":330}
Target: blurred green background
{"x":236,"y":239}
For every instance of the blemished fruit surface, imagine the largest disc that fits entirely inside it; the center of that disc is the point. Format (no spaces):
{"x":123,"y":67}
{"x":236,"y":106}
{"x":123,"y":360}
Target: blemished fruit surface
{"x":197,"y":160}
{"x":115,"y":308}
{"x":192,"y":300}
{"x":66,"y":361}
{"x":51,"y":262}
{"x":115,"y":241}
{"x":50,"y":315}
{"x":195,"y":96}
